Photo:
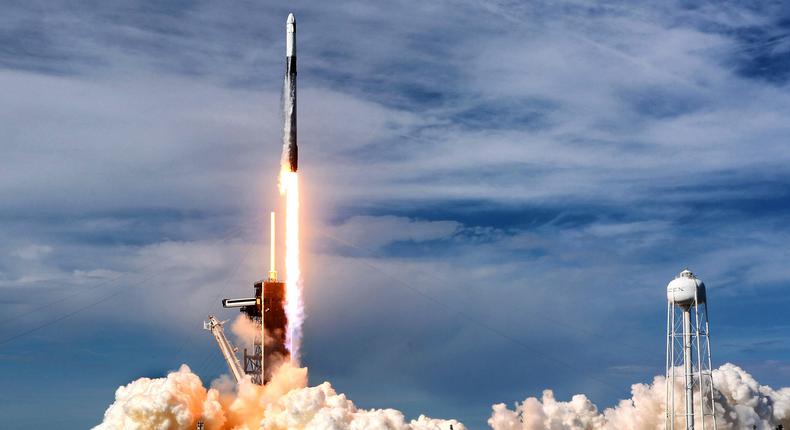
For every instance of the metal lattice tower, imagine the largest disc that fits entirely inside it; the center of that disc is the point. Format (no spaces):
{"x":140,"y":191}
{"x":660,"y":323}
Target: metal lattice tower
{"x":267,"y":312}
{"x":253,"y":363}
{"x":688,"y":362}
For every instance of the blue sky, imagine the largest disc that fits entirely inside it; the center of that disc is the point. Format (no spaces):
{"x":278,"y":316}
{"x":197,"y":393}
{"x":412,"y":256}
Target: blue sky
{"x":495,"y":194}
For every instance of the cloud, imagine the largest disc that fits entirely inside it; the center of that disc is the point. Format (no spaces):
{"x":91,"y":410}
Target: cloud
{"x":33,"y":252}
{"x":740,"y":402}
{"x":373,"y":232}
{"x":526,"y":160}
{"x":179,"y":400}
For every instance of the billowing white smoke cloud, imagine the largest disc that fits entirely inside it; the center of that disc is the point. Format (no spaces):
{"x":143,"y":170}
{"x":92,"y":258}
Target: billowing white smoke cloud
{"x":740,"y":404}
{"x":746,"y":403}
{"x":547,"y":413}
{"x":322,"y":408}
{"x":179,"y":400}
{"x":174,"y":402}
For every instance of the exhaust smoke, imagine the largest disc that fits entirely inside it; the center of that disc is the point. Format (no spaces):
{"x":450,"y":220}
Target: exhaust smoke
{"x":739,"y":400}
{"x":179,"y":400}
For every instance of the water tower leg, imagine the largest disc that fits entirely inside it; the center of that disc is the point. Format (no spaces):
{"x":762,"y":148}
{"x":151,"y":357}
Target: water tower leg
{"x":687,"y":366}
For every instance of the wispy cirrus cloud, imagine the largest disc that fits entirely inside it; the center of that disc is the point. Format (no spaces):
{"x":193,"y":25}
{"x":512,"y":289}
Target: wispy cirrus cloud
{"x":508,"y":157}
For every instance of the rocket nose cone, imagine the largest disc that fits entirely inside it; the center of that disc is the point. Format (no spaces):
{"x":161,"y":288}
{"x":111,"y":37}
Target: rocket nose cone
{"x":290,"y":33}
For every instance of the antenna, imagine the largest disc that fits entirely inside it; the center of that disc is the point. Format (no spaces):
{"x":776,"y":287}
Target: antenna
{"x":272,"y":267}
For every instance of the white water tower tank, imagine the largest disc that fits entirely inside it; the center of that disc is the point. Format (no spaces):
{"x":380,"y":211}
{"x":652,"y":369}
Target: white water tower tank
{"x":684,"y":288}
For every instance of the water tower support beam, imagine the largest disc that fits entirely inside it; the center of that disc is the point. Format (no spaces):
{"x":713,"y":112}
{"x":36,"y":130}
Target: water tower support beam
{"x":688,"y":368}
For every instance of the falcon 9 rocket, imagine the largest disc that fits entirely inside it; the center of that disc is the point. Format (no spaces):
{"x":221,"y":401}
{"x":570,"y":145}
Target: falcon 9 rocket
{"x":290,"y":149}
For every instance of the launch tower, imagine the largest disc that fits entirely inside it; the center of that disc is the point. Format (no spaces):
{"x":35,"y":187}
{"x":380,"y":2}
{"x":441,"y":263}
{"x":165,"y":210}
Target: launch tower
{"x":688,"y":355}
{"x":267,"y":311}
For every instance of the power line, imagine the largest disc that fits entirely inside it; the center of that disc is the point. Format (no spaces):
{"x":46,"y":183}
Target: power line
{"x":61,"y":318}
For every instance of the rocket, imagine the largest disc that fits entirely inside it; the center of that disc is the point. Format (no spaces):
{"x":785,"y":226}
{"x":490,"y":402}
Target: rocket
{"x":267,"y":307}
{"x":290,"y":150}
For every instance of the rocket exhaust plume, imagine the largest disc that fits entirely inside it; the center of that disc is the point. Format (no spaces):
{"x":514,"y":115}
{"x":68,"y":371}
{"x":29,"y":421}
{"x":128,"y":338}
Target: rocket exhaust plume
{"x":289,"y":188}
{"x":740,"y":403}
{"x":294,"y":303}
{"x":179,"y":400}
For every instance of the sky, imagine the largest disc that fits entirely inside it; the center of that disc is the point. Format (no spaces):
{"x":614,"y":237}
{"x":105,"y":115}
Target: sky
{"x":495,"y":194}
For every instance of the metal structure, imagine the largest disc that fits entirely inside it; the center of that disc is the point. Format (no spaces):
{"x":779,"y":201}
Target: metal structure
{"x":291,"y":150}
{"x":267,"y":311}
{"x":251,"y":307}
{"x":267,"y":308}
{"x":274,"y":325}
{"x":227,"y":349}
{"x":688,"y":355}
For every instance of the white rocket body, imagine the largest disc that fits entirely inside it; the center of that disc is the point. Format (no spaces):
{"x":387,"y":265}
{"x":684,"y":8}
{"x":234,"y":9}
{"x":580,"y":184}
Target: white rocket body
{"x":290,"y":148}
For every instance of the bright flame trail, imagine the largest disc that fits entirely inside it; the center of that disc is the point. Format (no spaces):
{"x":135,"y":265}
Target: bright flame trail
{"x":294,"y":303}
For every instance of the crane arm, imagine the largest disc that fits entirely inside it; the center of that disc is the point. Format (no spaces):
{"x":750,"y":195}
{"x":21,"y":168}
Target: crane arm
{"x":228,"y":351}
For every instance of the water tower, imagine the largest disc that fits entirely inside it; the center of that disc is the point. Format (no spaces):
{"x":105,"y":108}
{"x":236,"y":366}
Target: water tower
{"x":688,"y":355}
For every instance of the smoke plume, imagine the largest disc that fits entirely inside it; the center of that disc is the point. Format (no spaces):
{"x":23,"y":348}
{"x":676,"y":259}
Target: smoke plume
{"x":245,"y":330}
{"x":740,"y":402}
{"x":179,"y":400}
